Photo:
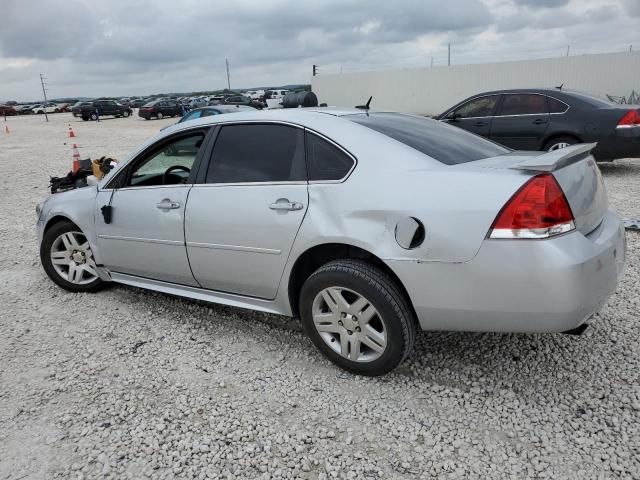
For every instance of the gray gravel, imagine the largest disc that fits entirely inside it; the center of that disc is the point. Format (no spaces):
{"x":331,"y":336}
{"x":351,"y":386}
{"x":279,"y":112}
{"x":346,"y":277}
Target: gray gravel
{"x":134,"y":384}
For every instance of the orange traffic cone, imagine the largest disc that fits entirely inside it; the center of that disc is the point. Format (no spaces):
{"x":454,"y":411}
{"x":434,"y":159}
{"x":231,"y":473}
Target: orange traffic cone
{"x":75,"y":157}
{"x":6,"y":129}
{"x":72,"y":134}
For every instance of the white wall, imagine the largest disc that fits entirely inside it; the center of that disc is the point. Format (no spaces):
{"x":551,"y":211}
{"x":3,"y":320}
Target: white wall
{"x":431,"y":90}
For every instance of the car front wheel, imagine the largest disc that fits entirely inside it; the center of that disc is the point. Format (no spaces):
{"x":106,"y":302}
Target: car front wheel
{"x":125,"y":114}
{"x":67,"y":258}
{"x":357,"y":316}
{"x":159,"y":116}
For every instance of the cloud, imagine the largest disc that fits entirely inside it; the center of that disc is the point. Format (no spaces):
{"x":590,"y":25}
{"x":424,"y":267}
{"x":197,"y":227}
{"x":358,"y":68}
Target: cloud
{"x":123,"y":47}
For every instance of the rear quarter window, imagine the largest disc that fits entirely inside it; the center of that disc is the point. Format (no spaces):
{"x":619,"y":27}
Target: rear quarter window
{"x":444,"y":143}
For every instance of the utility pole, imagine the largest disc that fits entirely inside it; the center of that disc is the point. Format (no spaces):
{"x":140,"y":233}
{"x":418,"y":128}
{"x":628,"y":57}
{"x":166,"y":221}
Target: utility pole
{"x":630,"y":47}
{"x":449,"y":55}
{"x":432,"y":61}
{"x":568,"y":48}
{"x":44,"y":92}
{"x":226,"y":61}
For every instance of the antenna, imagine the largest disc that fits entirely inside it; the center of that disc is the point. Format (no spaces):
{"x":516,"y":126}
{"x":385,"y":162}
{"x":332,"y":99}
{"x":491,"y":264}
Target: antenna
{"x":44,"y":92}
{"x":559,"y":87}
{"x":366,"y":105}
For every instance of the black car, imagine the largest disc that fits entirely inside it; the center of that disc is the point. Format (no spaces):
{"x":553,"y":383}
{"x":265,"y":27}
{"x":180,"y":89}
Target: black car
{"x":242,"y":100}
{"x":548,"y":119}
{"x":76,"y":107}
{"x":160,"y":109}
{"x":99,"y":108}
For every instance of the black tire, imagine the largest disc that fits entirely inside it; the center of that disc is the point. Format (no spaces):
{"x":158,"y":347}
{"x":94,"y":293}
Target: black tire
{"x":126,"y":113}
{"x":85,"y":118}
{"x":93,"y":116}
{"x":45,"y":248}
{"x":560,"y":142}
{"x":382,"y":292}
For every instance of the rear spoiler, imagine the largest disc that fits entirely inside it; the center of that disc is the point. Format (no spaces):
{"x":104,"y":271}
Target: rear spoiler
{"x":548,"y":162}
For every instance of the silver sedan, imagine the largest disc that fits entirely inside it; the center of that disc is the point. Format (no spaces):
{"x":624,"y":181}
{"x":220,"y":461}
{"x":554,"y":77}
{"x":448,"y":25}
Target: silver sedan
{"x":366,"y":225}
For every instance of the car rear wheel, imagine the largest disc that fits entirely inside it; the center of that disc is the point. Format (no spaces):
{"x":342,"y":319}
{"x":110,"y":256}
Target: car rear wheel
{"x":159,"y":115}
{"x":125,"y":114}
{"x":67,"y":258}
{"x":560,"y":142}
{"x":357,"y":317}
{"x":93,"y":116}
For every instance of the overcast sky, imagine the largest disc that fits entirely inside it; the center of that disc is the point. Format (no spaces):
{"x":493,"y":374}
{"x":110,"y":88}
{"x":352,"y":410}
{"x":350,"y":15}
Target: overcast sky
{"x":138,"y":47}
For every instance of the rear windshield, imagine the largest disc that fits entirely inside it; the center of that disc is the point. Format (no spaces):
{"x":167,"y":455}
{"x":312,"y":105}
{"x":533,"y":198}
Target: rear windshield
{"x":447,"y":144}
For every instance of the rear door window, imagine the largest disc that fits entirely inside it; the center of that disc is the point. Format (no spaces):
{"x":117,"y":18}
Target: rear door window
{"x":444,"y":143}
{"x":325,"y":161}
{"x":258,"y":153}
{"x":556,"y":106}
{"x":523,"y":104}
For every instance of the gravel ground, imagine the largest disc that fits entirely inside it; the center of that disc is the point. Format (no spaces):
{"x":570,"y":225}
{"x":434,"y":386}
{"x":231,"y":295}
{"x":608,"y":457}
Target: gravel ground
{"x":134,"y":384}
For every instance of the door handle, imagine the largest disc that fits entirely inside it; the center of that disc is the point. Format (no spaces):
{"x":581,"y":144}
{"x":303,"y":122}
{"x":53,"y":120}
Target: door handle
{"x":284,"y":204}
{"x":539,"y":121}
{"x":480,"y":124}
{"x":167,"y":204}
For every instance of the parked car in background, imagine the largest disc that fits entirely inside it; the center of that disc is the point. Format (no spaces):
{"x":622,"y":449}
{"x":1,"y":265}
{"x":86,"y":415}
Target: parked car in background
{"x":24,"y":109}
{"x":7,"y":110}
{"x":138,"y":102}
{"x":64,"y":107}
{"x":242,"y":100}
{"x":100,"y":108}
{"x":160,"y":109}
{"x":255,"y":94}
{"x":46,"y":108}
{"x":211,"y":110}
{"x":275,"y":94}
{"x":76,"y":108}
{"x":271,"y":211}
{"x":196,"y":103}
{"x":548,"y":119}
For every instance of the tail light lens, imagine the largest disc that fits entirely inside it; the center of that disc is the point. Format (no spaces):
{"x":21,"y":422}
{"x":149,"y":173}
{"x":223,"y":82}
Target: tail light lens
{"x":630,"y":119}
{"x":538,"y":210}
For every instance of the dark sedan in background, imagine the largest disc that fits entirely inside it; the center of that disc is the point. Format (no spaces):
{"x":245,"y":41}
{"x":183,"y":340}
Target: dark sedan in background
{"x":548,"y":119}
{"x":160,"y":109}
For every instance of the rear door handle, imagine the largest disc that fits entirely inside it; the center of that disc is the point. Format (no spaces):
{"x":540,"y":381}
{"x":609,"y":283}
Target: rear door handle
{"x":539,"y":121}
{"x":284,"y":204}
{"x":480,"y":124}
{"x":167,"y":204}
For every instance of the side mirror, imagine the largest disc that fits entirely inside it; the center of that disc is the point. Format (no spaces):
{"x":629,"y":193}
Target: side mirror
{"x":453,"y":116}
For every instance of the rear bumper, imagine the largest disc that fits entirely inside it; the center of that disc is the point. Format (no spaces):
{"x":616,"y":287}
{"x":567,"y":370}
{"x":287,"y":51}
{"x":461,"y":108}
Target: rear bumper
{"x":624,"y":144}
{"x":520,"y":285}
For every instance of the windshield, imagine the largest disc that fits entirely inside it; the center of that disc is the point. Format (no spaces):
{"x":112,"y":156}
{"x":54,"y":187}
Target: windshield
{"x":442,"y":142}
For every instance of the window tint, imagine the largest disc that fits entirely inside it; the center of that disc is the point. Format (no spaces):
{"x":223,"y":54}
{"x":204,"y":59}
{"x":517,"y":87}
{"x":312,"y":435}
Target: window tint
{"x":180,"y":152}
{"x":326,"y":161}
{"x":445,"y":143}
{"x":556,"y":106}
{"x":480,"y":107}
{"x":257,"y":153}
{"x":523,"y":105}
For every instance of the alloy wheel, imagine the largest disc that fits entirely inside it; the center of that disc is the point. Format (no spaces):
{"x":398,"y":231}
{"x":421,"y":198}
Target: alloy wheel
{"x":349,"y":324}
{"x":558,"y":146}
{"x":72,"y":258}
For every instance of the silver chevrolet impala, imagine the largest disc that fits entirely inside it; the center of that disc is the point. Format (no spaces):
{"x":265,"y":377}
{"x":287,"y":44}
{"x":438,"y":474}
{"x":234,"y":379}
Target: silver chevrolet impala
{"x":366,"y":225}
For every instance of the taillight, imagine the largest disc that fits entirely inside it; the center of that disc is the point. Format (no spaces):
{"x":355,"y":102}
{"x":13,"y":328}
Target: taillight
{"x":538,"y":210}
{"x":630,"y":119}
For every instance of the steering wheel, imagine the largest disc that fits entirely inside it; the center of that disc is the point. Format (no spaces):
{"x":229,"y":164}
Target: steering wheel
{"x":167,"y":172}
